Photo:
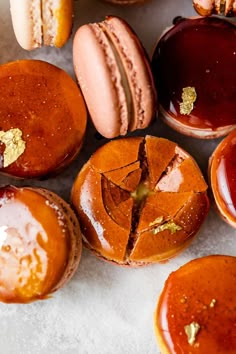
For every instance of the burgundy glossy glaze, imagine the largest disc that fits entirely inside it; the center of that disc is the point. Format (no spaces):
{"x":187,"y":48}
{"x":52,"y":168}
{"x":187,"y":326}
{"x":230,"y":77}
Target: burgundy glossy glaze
{"x":200,"y":53}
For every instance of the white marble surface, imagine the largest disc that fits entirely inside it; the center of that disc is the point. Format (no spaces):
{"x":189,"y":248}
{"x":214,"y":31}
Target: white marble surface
{"x":104,"y":309}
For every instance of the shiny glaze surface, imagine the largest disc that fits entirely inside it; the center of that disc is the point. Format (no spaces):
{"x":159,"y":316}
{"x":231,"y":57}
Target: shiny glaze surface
{"x":199,"y":53}
{"x":223,"y":176}
{"x":125,"y":191}
{"x":201,"y":291}
{"x":34,"y":245}
{"x":46,"y":105}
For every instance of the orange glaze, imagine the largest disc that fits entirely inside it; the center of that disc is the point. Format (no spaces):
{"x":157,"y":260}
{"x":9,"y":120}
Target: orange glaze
{"x":223,"y":177}
{"x":34,"y":245}
{"x":46,"y":105}
{"x":201,"y":291}
{"x":124,"y":192}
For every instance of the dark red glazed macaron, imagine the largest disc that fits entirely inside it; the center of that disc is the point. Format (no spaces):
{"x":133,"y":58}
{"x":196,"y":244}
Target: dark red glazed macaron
{"x":196,"y":309}
{"x":194,"y":69}
{"x":222,"y":175}
{"x":40,"y":243}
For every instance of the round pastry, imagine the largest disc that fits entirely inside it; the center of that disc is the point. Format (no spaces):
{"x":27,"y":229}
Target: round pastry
{"x":222,"y":175}
{"x":196,"y":310}
{"x":43,"y":119}
{"x":40,"y":243}
{"x":139,"y":200}
{"x":41,"y":22}
{"x":193,"y":65}
{"x":115,"y":77}
{"x":221,"y":7}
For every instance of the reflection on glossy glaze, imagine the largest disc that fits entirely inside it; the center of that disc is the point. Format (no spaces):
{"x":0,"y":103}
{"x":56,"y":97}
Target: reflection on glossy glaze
{"x":33,"y":254}
{"x":200,"y":53}
{"x":201,"y":291}
{"x":223,"y":174}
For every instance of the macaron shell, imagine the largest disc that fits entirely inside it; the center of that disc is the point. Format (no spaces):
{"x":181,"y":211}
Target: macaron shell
{"x":199,"y":292}
{"x":100,"y":81}
{"x":57,"y":21}
{"x":137,"y":69}
{"x":46,"y":105}
{"x":26,"y":21}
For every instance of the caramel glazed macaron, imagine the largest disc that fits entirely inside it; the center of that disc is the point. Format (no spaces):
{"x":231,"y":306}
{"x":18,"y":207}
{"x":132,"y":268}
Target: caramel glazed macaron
{"x":40,"y":243}
{"x":43,"y":119}
{"x":115,"y":77}
{"x":221,"y":7}
{"x":196,"y":311}
{"x":139,"y":200}
{"x":41,"y":22}
{"x":193,"y":66}
{"x":222,"y":176}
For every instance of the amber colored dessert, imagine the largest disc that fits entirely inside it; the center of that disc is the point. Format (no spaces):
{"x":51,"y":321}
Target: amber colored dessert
{"x":43,"y":119}
{"x":222,"y":174}
{"x":40,"y":244}
{"x":139,"y":200}
{"x":125,"y":2}
{"x":193,"y":66}
{"x":196,"y":310}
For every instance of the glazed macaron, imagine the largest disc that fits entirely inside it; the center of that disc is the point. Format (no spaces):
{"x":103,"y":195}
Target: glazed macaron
{"x":139,"y":200}
{"x":43,"y":119}
{"x":115,"y":77}
{"x":196,"y":310}
{"x":209,"y":7}
{"x":42,"y":22}
{"x":40,"y":243}
{"x":193,"y":66}
{"x":222,"y":176}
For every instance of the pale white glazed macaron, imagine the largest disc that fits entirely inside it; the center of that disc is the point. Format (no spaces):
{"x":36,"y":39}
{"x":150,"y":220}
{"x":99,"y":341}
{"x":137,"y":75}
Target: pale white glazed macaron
{"x":41,"y":22}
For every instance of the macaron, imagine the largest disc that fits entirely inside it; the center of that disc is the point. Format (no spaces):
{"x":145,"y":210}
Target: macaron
{"x":40,"y":244}
{"x":41,"y":22}
{"x":139,"y":200}
{"x":220,"y":7}
{"x":193,"y":65}
{"x":43,"y":119}
{"x":115,"y":77}
{"x":196,"y":309}
{"x":222,"y":176}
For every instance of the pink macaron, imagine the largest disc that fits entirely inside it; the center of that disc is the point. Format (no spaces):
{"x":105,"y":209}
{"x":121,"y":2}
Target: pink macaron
{"x":115,"y":77}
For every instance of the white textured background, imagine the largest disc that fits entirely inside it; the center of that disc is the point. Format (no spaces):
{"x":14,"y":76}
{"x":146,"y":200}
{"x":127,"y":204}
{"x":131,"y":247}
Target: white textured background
{"x":104,"y":309}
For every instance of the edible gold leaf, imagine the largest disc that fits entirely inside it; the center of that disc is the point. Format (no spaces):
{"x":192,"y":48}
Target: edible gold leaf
{"x":156,"y":221}
{"x":170,"y":225}
{"x":212,"y":303}
{"x":189,"y":96}
{"x":14,"y":145}
{"x":192,"y":330}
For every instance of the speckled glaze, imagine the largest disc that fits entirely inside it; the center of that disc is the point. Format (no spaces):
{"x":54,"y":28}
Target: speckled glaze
{"x":199,"y":53}
{"x":222,"y":173}
{"x":130,"y":190}
{"x":46,"y":105}
{"x":40,"y":244}
{"x":209,"y":7}
{"x":201,"y":292}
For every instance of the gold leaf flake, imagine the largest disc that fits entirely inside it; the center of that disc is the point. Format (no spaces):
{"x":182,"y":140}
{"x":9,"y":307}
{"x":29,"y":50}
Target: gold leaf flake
{"x":212,"y":303}
{"x":170,"y":225}
{"x":157,"y":221}
{"x":14,"y":145}
{"x":192,"y":330}
{"x":189,"y":96}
